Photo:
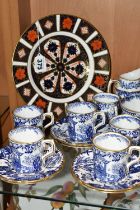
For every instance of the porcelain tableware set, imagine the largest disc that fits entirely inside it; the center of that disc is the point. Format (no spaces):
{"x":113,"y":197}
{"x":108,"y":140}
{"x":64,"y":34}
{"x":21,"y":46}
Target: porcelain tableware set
{"x":57,"y":70}
{"x":113,"y":164}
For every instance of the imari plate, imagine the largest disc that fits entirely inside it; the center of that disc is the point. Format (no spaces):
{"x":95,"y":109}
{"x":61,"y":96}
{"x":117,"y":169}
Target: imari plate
{"x":83,"y":170}
{"x":59,"y":59}
{"x":54,"y":164}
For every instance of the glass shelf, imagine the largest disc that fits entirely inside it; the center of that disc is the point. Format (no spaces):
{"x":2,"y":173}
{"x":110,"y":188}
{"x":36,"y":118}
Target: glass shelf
{"x":74,"y":195}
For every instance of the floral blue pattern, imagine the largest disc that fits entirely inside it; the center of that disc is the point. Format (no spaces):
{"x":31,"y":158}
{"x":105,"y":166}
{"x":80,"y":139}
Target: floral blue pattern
{"x":123,"y":93}
{"x":109,"y":167}
{"x":23,"y":121}
{"x":60,"y":132}
{"x":129,"y":85}
{"x":110,"y":104}
{"x":82,"y":119}
{"x":83,"y":170}
{"x":27,"y":147}
{"x":53,"y":165}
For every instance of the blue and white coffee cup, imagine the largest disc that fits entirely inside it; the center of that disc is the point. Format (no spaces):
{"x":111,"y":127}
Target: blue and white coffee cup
{"x":126,"y":125}
{"x":108,"y":103}
{"x":31,"y":115}
{"x":111,"y":152}
{"x":82,"y":119}
{"x":29,"y":150}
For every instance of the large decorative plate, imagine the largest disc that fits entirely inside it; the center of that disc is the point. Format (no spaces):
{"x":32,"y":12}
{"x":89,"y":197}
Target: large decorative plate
{"x":59,"y":59}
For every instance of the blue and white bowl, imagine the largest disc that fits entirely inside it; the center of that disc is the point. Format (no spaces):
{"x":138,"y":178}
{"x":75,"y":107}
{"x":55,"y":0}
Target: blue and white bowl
{"x":126,"y":125}
{"x":131,"y":105}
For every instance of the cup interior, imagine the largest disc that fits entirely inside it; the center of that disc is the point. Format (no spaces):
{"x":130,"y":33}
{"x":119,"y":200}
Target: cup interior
{"x":111,"y":141}
{"x":106,"y":98}
{"x":125,"y":122}
{"x":131,"y":103}
{"x":25,"y":134}
{"x":28,"y":111}
{"x":134,"y":75}
{"x":81,"y":107}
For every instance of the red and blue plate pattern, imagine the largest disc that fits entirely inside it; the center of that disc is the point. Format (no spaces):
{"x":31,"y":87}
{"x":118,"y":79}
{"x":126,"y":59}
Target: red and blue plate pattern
{"x":59,"y":59}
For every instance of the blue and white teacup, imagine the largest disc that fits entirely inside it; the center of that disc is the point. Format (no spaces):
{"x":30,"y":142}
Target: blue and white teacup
{"x":108,"y":103}
{"x":27,"y":146}
{"x":31,"y":115}
{"x":131,"y":105}
{"x":110,"y":157}
{"x":127,"y":125}
{"x":82,"y":118}
{"x":128,"y":81}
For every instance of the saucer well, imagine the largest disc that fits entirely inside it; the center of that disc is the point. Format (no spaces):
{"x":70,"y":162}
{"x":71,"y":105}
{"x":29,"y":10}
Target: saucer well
{"x":59,"y":132}
{"x":82,"y":170}
{"x":54,"y":164}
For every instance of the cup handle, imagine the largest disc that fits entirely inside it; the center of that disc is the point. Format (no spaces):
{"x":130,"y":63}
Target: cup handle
{"x":49,"y":114}
{"x":102,"y":114}
{"x":110,"y":85}
{"x":50,"y":151}
{"x":130,"y":152}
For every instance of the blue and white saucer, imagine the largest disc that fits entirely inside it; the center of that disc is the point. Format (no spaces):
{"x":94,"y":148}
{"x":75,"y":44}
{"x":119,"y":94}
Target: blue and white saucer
{"x":59,"y":131}
{"x":54,"y":164}
{"x":82,"y":170}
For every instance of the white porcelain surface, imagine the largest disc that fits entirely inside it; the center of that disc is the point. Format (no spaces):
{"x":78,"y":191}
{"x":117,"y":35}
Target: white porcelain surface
{"x":125,"y":122}
{"x":110,"y":141}
{"x":133,"y":75}
{"x":26,"y":134}
{"x":131,"y":105}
